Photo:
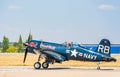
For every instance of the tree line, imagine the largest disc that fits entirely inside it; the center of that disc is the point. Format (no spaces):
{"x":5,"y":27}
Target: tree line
{"x":15,"y":47}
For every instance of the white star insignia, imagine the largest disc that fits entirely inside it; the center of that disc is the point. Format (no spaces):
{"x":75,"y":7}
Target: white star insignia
{"x":74,"y":53}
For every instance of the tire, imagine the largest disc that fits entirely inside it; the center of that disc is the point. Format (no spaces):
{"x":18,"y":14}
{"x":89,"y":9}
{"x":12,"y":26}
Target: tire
{"x":37,"y":65}
{"x":45,"y":65}
{"x":98,"y":68}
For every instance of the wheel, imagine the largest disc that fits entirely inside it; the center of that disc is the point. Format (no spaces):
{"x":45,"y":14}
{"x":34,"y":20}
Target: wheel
{"x":45,"y":65}
{"x":37,"y":65}
{"x":98,"y":68}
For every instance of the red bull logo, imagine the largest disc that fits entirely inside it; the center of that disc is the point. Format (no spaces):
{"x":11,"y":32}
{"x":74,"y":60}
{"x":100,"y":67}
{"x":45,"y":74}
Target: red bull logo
{"x":32,"y":44}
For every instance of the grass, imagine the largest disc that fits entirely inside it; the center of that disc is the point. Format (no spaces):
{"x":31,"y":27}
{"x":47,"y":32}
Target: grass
{"x":17,"y":60}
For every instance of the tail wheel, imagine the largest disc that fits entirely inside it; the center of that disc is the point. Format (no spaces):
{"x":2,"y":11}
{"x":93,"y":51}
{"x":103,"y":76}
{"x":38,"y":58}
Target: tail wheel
{"x":37,"y":65}
{"x":98,"y":68}
{"x":45,"y":65}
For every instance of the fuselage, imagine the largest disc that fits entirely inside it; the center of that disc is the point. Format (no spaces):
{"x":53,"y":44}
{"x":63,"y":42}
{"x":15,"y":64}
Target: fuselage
{"x":71,"y":53}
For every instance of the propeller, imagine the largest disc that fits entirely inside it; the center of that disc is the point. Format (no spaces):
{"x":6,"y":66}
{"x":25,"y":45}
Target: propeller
{"x":26,"y":51}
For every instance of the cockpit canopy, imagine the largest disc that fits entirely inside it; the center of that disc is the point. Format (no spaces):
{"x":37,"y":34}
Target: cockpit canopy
{"x":71,"y":44}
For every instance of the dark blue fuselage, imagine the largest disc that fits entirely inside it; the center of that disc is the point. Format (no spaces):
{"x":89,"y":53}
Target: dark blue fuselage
{"x":69,"y":53}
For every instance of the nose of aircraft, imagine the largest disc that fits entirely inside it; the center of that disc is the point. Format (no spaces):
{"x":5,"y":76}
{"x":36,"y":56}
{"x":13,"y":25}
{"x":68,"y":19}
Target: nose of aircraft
{"x":28,"y":49}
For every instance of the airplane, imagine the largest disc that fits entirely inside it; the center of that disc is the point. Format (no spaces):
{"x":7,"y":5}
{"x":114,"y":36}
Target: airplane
{"x":57,"y":53}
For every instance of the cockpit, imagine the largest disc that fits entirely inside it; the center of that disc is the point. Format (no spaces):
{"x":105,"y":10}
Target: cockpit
{"x":71,"y":44}
{"x":75,"y":45}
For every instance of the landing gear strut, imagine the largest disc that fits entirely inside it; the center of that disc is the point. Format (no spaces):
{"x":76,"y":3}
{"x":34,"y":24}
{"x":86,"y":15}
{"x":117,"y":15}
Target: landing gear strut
{"x":98,"y":67}
{"x":37,"y":65}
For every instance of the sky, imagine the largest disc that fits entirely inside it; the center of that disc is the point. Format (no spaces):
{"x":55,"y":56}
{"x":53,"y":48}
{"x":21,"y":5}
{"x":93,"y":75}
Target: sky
{"x":82,"y":21}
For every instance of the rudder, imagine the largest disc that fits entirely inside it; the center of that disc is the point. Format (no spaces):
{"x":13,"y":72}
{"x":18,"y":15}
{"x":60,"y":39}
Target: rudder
{"x":104,"y":47}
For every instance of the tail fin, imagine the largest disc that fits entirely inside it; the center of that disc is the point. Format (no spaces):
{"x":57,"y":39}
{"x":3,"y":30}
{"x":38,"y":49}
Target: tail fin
{"x":104,"y":47}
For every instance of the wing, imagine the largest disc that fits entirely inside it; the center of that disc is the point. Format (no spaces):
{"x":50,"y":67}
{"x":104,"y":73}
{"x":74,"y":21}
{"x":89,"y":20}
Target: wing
{"x":54,"y":55}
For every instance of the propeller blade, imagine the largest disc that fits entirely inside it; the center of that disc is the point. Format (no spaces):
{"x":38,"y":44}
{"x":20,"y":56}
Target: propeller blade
{"x":25,"y":44}
{"x":26,"y":51}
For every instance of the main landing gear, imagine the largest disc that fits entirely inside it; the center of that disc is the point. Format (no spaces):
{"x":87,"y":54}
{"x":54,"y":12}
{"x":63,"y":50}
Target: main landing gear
{"x":45,"y":65}
{"x":37,"y":65}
